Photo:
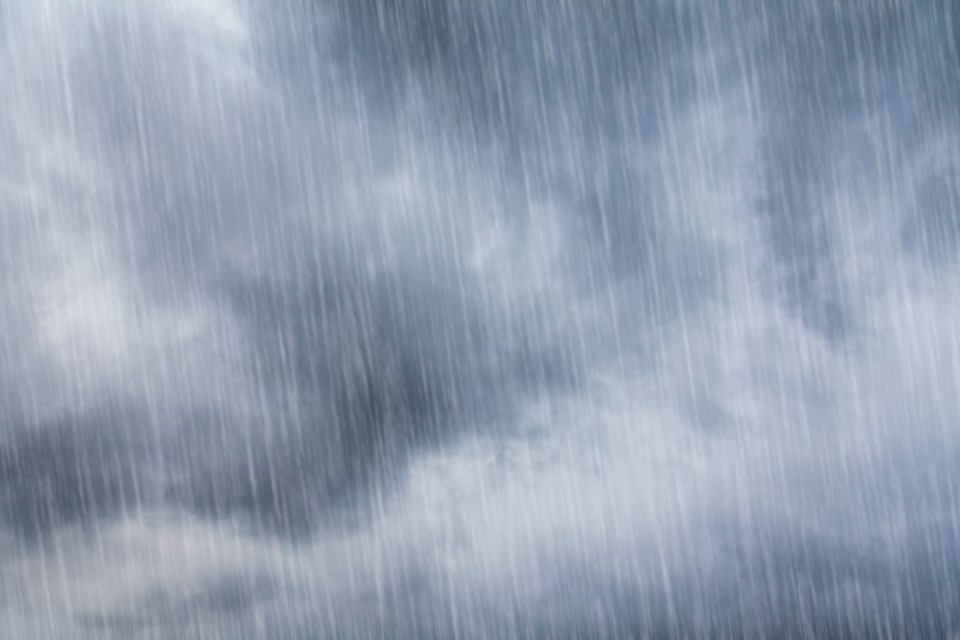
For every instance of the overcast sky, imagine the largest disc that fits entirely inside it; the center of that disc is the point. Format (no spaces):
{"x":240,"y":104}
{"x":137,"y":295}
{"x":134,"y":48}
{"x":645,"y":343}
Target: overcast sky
{"x":492,"y":318}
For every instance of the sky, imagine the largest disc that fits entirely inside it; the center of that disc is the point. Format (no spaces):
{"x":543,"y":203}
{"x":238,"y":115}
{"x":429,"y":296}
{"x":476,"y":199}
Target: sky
{"x":449,"y":318}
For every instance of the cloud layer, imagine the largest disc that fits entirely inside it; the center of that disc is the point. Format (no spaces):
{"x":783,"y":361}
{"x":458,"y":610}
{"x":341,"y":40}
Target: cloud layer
{"x":433,"y":319}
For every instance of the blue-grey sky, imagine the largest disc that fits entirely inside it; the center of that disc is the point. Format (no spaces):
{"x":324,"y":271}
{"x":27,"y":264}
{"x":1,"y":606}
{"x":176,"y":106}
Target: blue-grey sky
{"x":449,"y":318}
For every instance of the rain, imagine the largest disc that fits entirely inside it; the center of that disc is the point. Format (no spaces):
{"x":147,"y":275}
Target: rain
{"x":479,"y":319}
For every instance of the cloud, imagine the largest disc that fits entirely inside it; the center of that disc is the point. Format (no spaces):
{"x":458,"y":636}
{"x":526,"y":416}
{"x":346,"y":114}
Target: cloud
{"x":373,"y":319}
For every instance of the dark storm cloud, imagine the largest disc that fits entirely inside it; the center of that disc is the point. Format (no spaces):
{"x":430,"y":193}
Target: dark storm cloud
{"x":561,"y":91}
{"x":65,"y":474}
{"x":357,"y":361}
{"x":435,"y":317}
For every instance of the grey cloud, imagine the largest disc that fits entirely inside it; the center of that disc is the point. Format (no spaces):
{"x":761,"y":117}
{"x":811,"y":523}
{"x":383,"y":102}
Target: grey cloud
{"x":427,"y":317}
